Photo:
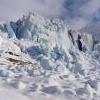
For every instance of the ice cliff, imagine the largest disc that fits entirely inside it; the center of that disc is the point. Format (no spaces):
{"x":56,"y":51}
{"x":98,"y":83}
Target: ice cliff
{"x":51,"y":53}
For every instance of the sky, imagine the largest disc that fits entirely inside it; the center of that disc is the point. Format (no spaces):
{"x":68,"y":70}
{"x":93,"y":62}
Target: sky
{"x":77,"y":13}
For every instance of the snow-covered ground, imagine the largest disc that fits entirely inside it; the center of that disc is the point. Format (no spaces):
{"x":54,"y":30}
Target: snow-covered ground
{"x":42,"y":59}
{"x":8,"y":94}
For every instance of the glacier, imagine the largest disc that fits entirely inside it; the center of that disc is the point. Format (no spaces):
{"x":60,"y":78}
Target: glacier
{"x":44,"y":58}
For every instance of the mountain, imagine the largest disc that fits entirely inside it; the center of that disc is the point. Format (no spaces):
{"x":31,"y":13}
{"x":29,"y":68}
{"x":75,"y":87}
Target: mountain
{"x":43,"y":58}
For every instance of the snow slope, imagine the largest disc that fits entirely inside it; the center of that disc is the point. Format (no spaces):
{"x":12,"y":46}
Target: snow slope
{"x":43,"y":59}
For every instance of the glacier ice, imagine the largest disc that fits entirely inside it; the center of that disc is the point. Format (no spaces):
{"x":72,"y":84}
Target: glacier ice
{"x":35,"y":51}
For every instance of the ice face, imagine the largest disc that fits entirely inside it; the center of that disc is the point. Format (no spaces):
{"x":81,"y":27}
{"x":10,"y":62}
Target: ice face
{"x":45,"y":35}
{"x":34,"y":27}
{"x":38,"y":54}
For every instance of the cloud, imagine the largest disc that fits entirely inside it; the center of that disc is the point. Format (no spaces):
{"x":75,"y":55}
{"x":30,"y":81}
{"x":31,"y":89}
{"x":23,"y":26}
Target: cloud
{"x":84,"y":14}
{"x":76,"y":13}
{"x":12,"y":9}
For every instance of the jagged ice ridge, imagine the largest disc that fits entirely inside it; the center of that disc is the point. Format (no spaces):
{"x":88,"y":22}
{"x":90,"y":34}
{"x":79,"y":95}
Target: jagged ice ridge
{"x":39,"y":55}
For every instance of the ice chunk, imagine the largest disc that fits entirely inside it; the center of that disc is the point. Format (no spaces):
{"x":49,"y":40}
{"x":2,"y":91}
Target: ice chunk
{"x":46,"y":63}
{"x":10,"y":31}
{"x":3,"y":73}
{"x":88,"y":41}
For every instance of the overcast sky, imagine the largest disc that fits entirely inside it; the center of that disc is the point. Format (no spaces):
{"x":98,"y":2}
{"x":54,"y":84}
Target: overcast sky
{"x":77,"y":13}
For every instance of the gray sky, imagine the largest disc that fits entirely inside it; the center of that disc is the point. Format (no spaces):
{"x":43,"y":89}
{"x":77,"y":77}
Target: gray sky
{"x":77,"y":13}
